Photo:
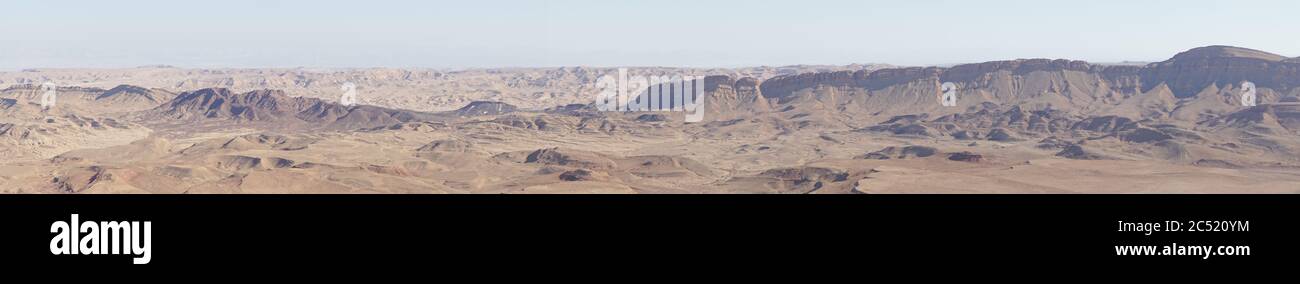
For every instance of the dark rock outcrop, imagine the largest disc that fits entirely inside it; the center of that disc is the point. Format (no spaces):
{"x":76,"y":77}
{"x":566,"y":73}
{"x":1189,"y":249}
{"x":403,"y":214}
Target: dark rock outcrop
{"x":1078,"y":152}
{"x":583,"y":175}
{"x":1144,"y":135}
{"x":570,"y":158}
{"x":1002,"y":135}
{"x":807,"y":173}
{"x":966,"y":157}
{"x":478,"y":108}
{"x":901,"y":153}
{"x":653,"y":117}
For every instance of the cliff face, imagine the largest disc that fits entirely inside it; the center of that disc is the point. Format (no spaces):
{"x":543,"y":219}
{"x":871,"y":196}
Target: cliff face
{"x":728,"y":98}
{"x":1054,"y":84}
{"x":1189,"y":72}
{"x":1186,"y":73}
{"x":782,"y":87}
{"x":1193,"y":86}
{"x":786,"y":85}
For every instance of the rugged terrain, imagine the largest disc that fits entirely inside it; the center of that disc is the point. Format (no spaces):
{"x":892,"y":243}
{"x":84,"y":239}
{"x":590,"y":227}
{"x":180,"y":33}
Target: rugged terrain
{"x":1020,"y":126}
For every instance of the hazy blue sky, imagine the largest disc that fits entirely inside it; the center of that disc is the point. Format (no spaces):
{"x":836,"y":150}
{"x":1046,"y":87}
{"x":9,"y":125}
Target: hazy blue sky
{"x":702,"y":33}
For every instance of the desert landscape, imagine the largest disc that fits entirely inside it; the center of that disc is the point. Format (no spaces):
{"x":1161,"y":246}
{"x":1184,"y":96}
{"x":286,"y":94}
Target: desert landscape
{"x":1016,"y":126}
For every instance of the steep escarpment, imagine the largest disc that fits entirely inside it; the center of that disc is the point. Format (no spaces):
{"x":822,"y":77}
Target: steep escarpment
{"x":1189,"y":72}
{"x":1072,"y":86}
{"x":1033,"y":83}
{"x":730,"y":98}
